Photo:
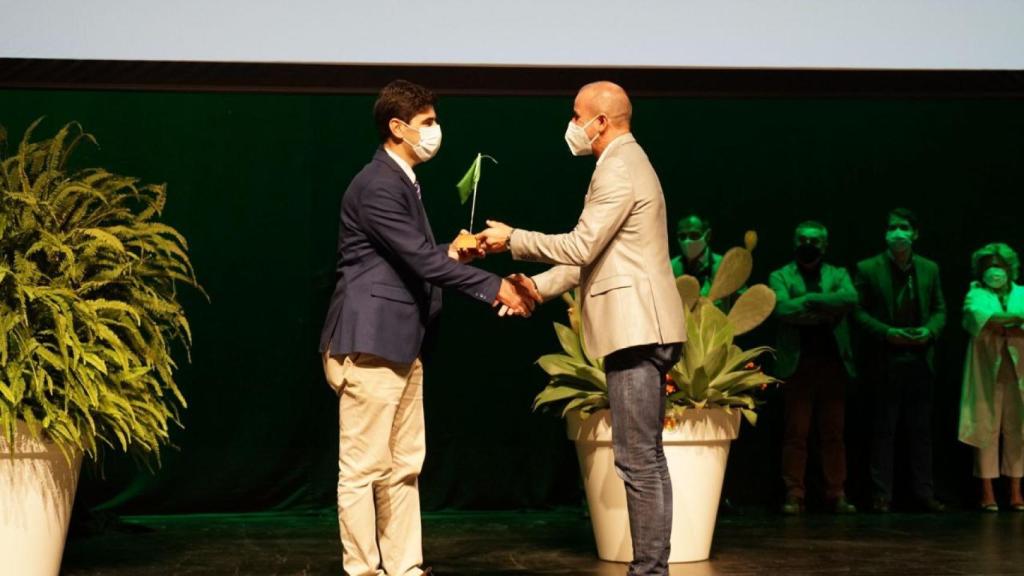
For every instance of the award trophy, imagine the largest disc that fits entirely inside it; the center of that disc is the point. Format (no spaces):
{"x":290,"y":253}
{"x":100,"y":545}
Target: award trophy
{"x":467,"y":187}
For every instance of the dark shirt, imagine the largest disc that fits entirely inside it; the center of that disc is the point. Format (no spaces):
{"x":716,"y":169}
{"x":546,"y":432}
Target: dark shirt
{"x":817,"y":340}
{"x":699,"y":268}
{"x":906,"y":311}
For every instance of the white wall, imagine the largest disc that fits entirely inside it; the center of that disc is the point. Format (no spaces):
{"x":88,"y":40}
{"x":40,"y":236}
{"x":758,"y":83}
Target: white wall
{"x":953,"y":34}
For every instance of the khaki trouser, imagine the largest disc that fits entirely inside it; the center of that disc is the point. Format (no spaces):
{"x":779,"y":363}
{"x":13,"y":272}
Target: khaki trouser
{"x":1008,"y":425}
{"x":382,"y":445}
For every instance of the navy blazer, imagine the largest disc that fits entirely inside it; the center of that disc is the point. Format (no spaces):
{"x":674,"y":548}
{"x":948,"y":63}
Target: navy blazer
{"x":390,"y":269}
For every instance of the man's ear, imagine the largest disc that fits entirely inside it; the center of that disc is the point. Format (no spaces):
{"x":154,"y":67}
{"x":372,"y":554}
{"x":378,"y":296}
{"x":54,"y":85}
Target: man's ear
{"x":395,"y":126}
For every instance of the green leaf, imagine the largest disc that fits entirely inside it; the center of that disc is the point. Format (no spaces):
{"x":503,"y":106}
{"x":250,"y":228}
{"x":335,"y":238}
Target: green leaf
{"x":750,"y":415}
{"x":89,"y":309}
{"x":556,"y":393}
{"x":468,"y":183}
{"x":561,"y":365}
{"x":699,"y":385}
{"x":591,"y":401}
{"x":570,"y":341}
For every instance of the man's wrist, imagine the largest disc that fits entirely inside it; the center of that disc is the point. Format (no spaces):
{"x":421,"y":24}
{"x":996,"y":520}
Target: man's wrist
{"x":508,"y":241}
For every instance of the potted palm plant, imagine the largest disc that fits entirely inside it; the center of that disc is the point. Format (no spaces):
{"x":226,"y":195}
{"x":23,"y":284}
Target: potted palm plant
{"x":89,"y":314}
{"x":707,"y":392}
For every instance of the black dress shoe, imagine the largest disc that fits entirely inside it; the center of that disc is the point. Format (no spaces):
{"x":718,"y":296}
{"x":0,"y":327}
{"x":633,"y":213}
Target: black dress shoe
{"x":932,"y":506}
{"x":842,"y":506}
{"x":793,"y":506}
{"x":880,"y":506}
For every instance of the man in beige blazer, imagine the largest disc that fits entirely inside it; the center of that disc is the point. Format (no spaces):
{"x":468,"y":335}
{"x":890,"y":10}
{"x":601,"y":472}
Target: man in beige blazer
{"x":618,"y":255}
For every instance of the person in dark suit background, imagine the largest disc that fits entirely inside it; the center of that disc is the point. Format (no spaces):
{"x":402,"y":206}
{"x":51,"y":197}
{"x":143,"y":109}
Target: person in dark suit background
{"x":902,"y":311}
{"x":390,"y":273}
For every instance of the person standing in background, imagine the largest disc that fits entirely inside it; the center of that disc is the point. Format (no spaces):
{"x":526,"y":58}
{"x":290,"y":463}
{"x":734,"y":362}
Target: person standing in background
{"x":696,"y":258}
{"x":814,"y":357}
{"x":902,"y":309}
{"x":992,"y":404}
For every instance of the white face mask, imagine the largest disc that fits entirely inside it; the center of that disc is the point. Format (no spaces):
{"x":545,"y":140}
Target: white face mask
{"x":429,"y":144}
{"x":694,"y":248}
{"x":899,"y":240}
{"x":995,"y":278}
{"x":576,"y":138}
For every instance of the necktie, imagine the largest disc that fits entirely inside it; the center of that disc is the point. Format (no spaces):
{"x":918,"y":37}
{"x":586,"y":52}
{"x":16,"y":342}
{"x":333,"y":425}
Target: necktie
{"x":417,"y":185}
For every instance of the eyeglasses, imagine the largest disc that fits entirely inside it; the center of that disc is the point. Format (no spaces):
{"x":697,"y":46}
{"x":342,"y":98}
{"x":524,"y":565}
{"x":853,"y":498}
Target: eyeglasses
{"x":692,"y":235}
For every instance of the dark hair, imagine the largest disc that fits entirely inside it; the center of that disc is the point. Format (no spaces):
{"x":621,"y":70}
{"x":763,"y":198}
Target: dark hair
{"x":400,"y":99}
{"x":704,"y":223}
{"x":905,"y":214}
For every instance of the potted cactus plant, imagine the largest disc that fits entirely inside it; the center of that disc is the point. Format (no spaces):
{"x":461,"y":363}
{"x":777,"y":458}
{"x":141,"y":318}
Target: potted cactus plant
{"x":708,"y":391}
{"x":89,"y":313}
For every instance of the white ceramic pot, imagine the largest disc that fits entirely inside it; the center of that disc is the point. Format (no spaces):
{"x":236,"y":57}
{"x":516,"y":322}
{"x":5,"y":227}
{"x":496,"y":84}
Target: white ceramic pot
{"x":37,"y":490}
{"x":697,"y":450}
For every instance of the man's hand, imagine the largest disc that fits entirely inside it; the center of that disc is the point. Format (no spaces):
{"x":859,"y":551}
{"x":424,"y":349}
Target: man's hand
{"x":495,"y":238}
{"x":813,"y":300}
{"x":908,"y":336}
{"x":512,"y":301}
{"x":897,"y":336}
{"x":465,"y":255}
{"x":919,"y":336}
{"x":526,"y":288}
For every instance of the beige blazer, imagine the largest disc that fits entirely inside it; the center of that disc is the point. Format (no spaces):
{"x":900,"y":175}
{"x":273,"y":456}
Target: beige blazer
{"x":617,"y":254}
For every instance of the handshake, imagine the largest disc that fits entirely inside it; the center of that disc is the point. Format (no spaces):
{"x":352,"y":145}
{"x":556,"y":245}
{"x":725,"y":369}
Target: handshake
{"x":518,"y":295}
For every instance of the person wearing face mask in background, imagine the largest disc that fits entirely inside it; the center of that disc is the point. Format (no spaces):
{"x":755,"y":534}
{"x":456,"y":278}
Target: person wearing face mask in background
{"x":693,"y":233}
{"x":697,"y":259}
{"x":386,"y":302}
{"x":814,"y":358}
{"x":992,"y":403}
{"x":618,"y":256}
{"x":901,"y":310}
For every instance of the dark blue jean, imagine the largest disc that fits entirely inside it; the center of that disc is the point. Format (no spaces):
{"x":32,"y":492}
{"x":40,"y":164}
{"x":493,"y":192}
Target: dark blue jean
{"x":636,"y":393}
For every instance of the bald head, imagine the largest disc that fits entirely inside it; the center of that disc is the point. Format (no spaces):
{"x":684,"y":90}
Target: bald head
{"x":604,"y":112}
{"x":606,"y":98}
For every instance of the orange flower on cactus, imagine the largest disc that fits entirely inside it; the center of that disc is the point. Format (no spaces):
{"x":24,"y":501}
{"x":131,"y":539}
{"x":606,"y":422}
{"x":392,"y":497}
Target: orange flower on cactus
{"x":670,"y":385}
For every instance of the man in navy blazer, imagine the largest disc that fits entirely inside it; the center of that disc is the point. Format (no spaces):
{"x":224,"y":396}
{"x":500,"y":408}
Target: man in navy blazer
{"x":390,"y":274}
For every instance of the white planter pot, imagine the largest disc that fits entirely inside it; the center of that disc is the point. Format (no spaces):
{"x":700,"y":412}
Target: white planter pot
{"x":37,"y":489}
{"x":697,"y":450}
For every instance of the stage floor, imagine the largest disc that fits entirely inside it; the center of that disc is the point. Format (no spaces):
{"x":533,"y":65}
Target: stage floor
{"x":559,"y":542}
